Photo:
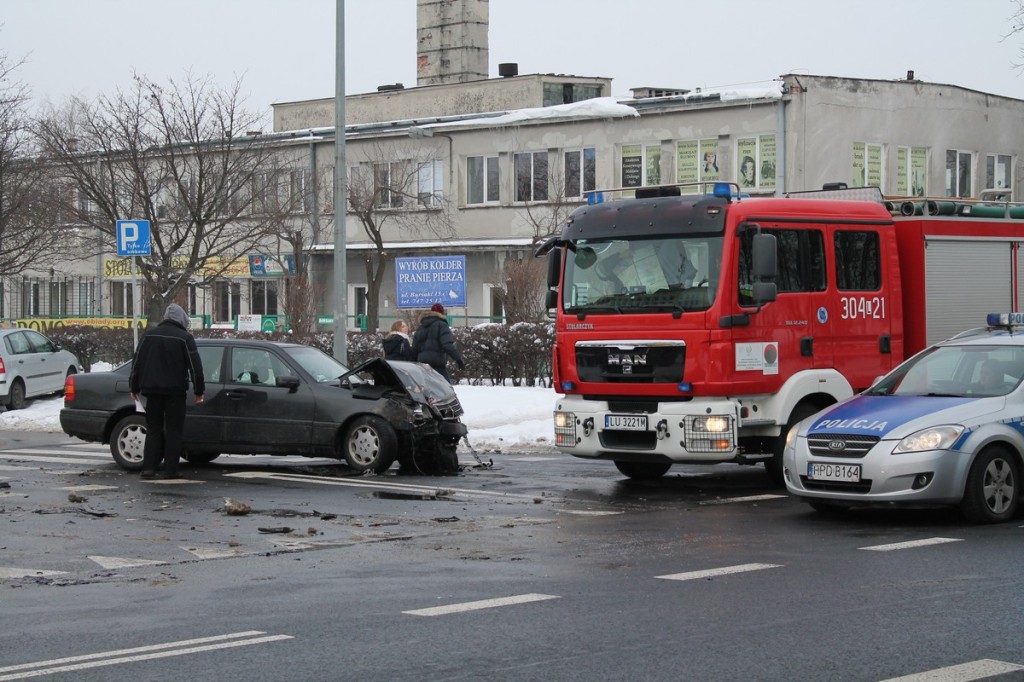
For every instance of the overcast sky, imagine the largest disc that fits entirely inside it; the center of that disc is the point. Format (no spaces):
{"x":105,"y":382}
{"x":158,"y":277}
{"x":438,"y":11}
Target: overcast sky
{"x":284,"y":50}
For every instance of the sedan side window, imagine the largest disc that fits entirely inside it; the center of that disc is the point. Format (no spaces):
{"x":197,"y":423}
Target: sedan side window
{"x":211,"y":357}
{"x":40,"y":344}
{"x":256,"y":366}
{"x":19,"y":343}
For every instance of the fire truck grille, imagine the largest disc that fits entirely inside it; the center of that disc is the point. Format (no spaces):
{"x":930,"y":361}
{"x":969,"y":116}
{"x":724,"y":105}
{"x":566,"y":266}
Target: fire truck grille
{"x":840,"y":445}
{"x":637,"y":365}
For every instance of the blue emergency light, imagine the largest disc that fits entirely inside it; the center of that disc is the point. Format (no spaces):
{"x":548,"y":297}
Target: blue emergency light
{"x":722,"y":189}
{"x":1004,"y":319}
{"x":568,"y":386}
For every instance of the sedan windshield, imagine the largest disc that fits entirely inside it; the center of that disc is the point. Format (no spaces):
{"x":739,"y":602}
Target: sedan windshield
{"x":321,"y":366}
{"x":960,"y":371}
{"x":642,"y":275}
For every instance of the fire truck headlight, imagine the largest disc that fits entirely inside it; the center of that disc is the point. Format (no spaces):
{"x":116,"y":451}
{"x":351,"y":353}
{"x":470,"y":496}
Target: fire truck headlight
{"x":711,"y":433}
{"x":716,"y":424}
{"x":565,"y":429}
{"x":933,"y":438}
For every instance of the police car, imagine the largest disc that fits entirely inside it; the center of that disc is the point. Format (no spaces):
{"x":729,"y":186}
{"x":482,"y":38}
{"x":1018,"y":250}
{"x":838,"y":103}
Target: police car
{"x":943,"y":428}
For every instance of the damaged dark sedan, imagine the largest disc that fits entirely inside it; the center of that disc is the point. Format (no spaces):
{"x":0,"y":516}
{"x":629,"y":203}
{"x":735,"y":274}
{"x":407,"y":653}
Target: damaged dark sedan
{"x":267,"y":398}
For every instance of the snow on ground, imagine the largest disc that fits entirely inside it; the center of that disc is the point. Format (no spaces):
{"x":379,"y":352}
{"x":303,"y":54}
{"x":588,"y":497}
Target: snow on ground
{"x":498,"y":417}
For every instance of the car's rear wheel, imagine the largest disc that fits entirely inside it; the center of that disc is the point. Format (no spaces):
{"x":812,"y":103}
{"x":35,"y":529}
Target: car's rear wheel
{"x":128,"y":441}
{"x":993,"y":487}
{"x":201,"y":457}
{"x":16,"y":396}
{"x":369,"y":444}
{"x":643,"y":471}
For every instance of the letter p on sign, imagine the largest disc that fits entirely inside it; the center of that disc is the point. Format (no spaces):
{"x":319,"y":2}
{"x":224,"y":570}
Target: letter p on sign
{"x":133,"y":238}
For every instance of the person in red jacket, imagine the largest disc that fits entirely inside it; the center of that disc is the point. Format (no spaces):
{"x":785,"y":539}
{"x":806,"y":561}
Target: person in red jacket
{"x":164,"y":362}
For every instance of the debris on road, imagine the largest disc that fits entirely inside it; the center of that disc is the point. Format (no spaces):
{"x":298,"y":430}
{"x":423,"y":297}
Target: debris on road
{"x":235,"y":508}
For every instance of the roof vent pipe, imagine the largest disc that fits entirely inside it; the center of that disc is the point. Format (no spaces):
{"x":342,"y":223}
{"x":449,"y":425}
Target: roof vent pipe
{"x":508,"y":69}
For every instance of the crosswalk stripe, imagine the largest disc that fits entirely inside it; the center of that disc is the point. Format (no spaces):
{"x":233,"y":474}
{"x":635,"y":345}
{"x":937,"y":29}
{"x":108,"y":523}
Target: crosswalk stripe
{"x":112,"y":562}
{"x":62,"y":451}
{"x":26,"y":573}
{"x":964,"y":672}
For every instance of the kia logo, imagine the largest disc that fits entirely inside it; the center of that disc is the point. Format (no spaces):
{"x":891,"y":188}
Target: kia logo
{"x":837,"y":445}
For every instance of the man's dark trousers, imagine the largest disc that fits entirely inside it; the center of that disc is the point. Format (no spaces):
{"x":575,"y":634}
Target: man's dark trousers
{"x":165,"y":422}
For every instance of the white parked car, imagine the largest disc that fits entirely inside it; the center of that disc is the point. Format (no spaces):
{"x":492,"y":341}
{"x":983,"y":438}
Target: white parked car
{"x":946,"y":427}
{"x":31,"y":365}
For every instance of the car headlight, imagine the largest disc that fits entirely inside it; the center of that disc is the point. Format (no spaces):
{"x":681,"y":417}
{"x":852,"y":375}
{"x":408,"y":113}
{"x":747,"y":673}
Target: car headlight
{"x":932,"y":438}
{"x":791,"y":437}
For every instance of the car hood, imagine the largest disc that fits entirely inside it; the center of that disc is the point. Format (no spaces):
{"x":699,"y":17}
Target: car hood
{"x":422,"y":383}
{"x":889,"y":416}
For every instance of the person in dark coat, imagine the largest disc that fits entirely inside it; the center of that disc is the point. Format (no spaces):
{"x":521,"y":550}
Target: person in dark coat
{"x":397,"y":345}
{"x":164,"y":362}
{"x":433,"y":342}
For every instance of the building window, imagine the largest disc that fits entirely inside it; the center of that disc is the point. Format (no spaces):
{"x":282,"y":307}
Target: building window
{"x":641,"y":165}
{"x":121,"y":299}
{"x":301,"y":191}
{"x":697,"y":161}
{"x":31,"y":298}
{"x":265,"y":192}
{"x":531,"y":176}
{"x":912,"y":171}
{"x":58,"y":298}
{"x":958,"y":173}
{"x":357,"y":307}
{"x":998,"y":171}
{"x":756,"y":162}
{"x":387,"y":184}
{"x":227,"y":300}
{"x":867,"y":165}
{"x":430,"y":184}
{"x":567,"y":93}
{"x":580,"y":172}
{"x":263,"y":296}
{"x":482,"y":174}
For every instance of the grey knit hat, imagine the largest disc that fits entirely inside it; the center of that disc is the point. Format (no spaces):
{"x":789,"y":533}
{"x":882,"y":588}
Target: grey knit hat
{"x":176,"y":313}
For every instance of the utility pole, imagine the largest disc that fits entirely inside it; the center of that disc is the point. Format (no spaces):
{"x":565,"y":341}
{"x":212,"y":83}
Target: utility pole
{"x":340,"y":193}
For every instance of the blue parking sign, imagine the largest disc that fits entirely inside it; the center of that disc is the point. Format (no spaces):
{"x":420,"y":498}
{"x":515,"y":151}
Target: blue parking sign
{"x":133,"y":238}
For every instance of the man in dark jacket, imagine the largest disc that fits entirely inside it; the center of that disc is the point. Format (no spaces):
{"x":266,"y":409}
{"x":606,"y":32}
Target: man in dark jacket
{"x":433,"y":342}
{"x":164,"y":361}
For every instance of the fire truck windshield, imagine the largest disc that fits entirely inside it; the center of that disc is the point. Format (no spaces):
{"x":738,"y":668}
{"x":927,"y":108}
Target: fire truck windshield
{"x":642,"y":275}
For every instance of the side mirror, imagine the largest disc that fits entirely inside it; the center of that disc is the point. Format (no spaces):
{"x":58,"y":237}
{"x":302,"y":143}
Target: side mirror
{"x":765,"y":252}
{"x":765,"y":292}
{"x":551,"y":299}
{"x":554,"y":267}
{"x":288,"y":381}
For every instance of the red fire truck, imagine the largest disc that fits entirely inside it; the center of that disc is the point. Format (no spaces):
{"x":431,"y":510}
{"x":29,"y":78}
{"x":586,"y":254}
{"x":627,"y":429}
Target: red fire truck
{"x":697,"y":329}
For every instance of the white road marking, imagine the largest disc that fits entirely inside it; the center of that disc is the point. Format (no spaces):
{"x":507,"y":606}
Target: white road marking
{"x":909,"y":545}
{"x":142,"y":653}
{"x":88,"y":488}
{"x":173,"y":481}
{"x":26,"y":573}
{"x":749,"y":498}
{"x":63,"y":451}
{"x":583,"y":512}
{"x":533,"y":459}
{"x":975,"y":670}
{"x":483,"y":604}
{"x":112,"y":562}
{"x":213,"y":553}
{"x":713,"y":572}
{"x":52,"y":460}
{"x":372,"y":482}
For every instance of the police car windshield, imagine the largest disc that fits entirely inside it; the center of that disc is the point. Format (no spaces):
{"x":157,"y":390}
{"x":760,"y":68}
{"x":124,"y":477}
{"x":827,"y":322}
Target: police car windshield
{"x":642,"y":275}
{"x":961,"y":371}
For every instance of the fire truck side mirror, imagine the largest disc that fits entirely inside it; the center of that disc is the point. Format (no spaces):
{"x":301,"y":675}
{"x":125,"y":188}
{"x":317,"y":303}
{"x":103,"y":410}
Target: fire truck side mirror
{"x":764,"y":256}
{"x":551,"y":299}
{"x":554,"y":267}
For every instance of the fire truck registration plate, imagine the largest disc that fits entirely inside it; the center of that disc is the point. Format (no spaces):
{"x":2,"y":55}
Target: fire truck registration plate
{"x":625,"y":422}
{"x":825,"y":471}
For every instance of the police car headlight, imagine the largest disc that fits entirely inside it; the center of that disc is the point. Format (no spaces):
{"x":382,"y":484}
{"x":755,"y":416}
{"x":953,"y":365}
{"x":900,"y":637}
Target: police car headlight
{"x":932,"y":438}
{"x":791,"y":438}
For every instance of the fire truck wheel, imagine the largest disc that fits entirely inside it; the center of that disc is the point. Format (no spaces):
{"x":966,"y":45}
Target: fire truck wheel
{"x":643,"y":471}
{"x":774,"y":465}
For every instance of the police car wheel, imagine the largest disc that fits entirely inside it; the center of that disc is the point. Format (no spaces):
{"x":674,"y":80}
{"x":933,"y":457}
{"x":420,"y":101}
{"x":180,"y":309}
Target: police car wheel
{"x":993,"y":487}
{"x":773,"y":465}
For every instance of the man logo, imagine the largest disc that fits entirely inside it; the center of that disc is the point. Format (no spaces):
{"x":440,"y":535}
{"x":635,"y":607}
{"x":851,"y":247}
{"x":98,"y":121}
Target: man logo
{"x":627,"y":358}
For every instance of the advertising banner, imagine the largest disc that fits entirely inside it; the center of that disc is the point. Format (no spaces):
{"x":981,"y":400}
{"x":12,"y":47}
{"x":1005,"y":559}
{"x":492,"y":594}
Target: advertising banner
{"x":421,"y":282}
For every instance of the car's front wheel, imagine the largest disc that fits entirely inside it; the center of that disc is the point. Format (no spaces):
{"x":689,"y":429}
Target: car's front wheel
{"x":16,"y":396}
{"x":643,"y":471}
{"x":369,"y":444}
{"x":127,"y":442}
{"x":993,"y":487}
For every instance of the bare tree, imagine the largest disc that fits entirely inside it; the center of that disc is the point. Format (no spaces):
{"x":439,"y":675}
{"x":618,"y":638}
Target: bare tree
{"x":27,"y":215}
{"x":1017,"y":27}
{"x":392,"y":194}
{"x":546,"y":216}
{"x":179,"y":155}
{"x":521,"y":289}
